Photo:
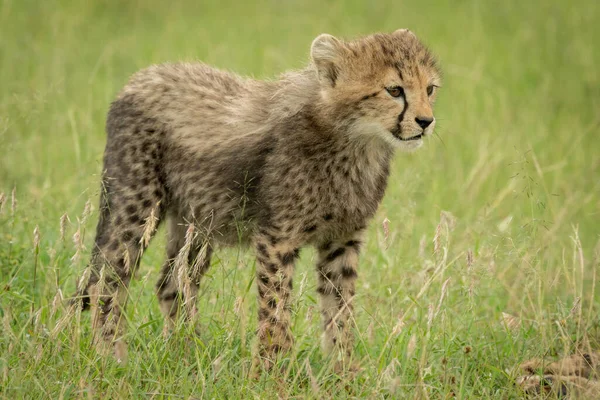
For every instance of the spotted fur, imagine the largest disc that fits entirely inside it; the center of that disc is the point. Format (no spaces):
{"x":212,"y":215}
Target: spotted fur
{"x":303,"y":160}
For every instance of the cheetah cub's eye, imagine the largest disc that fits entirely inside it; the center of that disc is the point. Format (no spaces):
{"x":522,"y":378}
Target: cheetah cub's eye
{"x":430,"y":89}
{"x":395,"y":91}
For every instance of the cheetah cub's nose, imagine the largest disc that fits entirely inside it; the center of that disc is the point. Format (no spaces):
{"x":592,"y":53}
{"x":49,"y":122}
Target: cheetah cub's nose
{"x":424,"y":122}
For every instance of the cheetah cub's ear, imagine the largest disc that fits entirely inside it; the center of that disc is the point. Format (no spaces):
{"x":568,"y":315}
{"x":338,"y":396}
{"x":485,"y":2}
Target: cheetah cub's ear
{"x":326,"y":52}
{"x":402,"y":32}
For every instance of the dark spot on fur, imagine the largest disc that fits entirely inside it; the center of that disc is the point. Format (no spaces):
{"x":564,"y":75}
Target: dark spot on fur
{"x":169,"y":296}
{"x":263,"y":278}
{"x":147,"y":203}
{"x":114,"y":245}
{"x":328,"y":217}
{"x":276,"y":348}
{"x":288,"y":258}
{"x":263,"y":314}
{"x":310,"y":229}
{"x":134,"y":219}
{"x":127,"y":235}
{"x":102,"y":240}
{"x":354,"y":244}
{"x":272,"y":303}
{"x":262,"y":250}
{"x":348,"y":272}
{"x":131,"y":209}
{"x":326,"y":246}
{"x":335,"y":254}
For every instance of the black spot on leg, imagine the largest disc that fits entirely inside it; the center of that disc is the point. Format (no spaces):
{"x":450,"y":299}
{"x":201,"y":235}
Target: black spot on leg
{"x":263,"y":278}
{"x":335,"y":254}
{"x":272,"y":267}
{"x":272,"y":303}
{"x":169,"y":296}
{"x":288,"y":258}
{"x":134,"y":219}
{"x":263,"y":314}
{"x":348,"y":272}
{"x":127,"y":236}
{"x":326,"y":246}
{"x":276,"y":348}
{"x":328,"y":217}
{"x":102,"y":240}
{"x":262,"y":250}
{"x":114,"y":245}
{"x":147,"y":203}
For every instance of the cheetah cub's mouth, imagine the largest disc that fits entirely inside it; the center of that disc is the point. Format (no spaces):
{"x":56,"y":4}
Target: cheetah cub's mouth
{"x":417,"y":137}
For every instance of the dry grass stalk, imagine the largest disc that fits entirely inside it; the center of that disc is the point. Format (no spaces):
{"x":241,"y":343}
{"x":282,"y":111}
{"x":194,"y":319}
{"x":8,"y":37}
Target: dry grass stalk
{"x":150,"y":226}
{"x":6,"y":320}
{"x":57,"y":302}
{"x":386,"y":232}
{"x":576,"y":309}
{"x":181,"y":266}
{"x":83,"y":281}
{"x":36,"y":238}
{"x":422,"y":247}
{"x":13,"y":203}
{"x":87,"y":211}
{"x":2,"y":201}
{"x":371,"y":333}
{"x":399,"y":325}
{"x":470,"y":260}
{"x":442,"y":295}
{"x":430,"y":315}
{"x":412,"y":345}
{"x":127,"y":261}
{"x":436,"y":239}
{"x":64,"y":221}
{"x":36,"y":252}
{"x":314,"y":384}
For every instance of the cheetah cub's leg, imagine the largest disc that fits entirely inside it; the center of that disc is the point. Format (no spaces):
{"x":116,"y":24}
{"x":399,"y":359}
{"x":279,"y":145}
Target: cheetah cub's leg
{"x":274,"y":270}
{"x":125,"y":227}
{"x":336,"y":270}
{"x":177,"y":289}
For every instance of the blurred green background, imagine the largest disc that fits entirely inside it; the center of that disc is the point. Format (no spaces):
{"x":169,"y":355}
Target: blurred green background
{"x":514,"y":169}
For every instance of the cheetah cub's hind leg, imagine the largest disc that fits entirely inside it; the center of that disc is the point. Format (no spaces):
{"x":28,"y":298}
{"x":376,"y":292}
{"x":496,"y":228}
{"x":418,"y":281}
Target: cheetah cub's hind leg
{"x":188,"y":258}
{"x":336,"y":269}
{"x":274,"y":269}
{"x":125,"y":227}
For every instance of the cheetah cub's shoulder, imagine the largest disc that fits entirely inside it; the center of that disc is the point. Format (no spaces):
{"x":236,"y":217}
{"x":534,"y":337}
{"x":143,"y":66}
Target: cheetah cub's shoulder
{"x":303,"y":160}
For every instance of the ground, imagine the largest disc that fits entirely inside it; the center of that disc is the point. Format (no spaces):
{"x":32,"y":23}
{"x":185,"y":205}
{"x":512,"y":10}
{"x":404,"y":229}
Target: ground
{"x":484,"y":252}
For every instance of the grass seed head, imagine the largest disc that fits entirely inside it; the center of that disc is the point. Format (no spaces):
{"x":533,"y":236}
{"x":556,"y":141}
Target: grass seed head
{"x":87,"y":211}
{"x":64,"y":220}
{"x":36,"y":238}
{"x":13,"y":203}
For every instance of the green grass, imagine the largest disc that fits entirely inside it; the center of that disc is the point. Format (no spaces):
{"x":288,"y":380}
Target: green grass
{"x":516,"y":163}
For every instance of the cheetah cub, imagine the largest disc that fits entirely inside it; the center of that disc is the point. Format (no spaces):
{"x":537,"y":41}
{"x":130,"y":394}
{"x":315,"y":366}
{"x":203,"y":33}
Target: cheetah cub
{"x":303,"y":160}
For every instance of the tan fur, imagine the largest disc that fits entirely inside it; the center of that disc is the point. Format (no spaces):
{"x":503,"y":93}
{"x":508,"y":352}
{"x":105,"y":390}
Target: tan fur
{"x":574,"y":377}
{"x":303,"y":160}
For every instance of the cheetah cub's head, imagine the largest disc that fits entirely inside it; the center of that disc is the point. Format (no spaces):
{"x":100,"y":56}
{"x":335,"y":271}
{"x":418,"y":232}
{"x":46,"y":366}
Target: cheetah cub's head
{"x":379,"y":87}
